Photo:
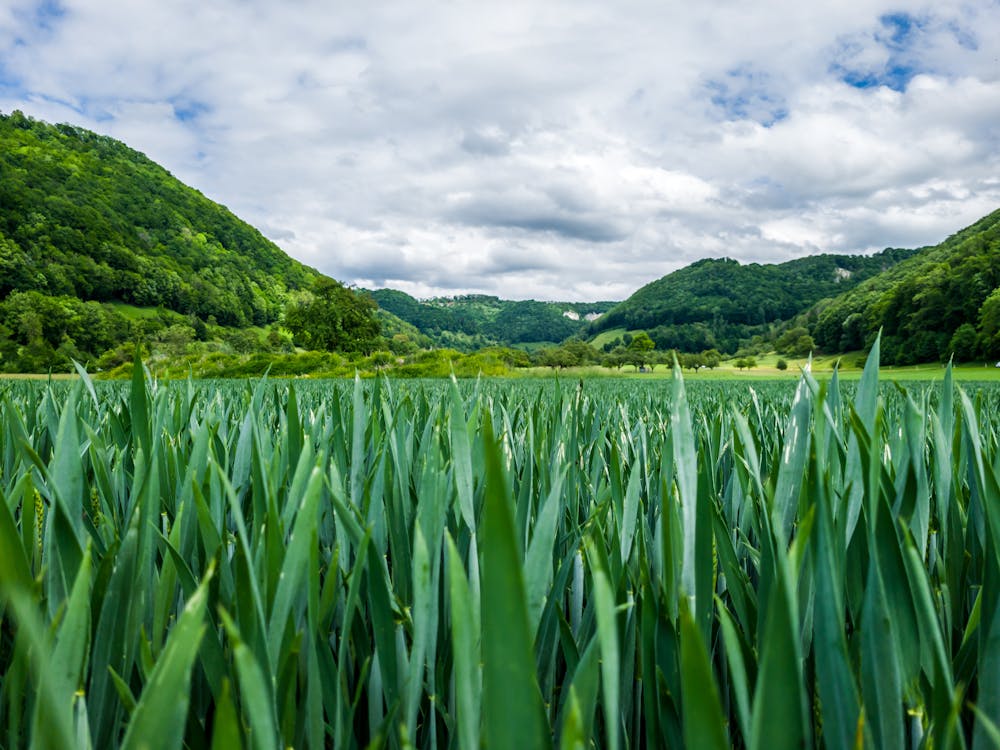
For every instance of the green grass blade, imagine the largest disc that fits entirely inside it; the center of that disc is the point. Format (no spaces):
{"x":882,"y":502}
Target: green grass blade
{"x":538,"y":569}
{"x":226,"y":730}
{"x":161,"y":713}
{"x":514,"y":717}
{"x":779,"y":717}
{"x":578,"y":713}
{"x":293,"y":568}
{"x":54,"y":720}
{"x":704,"y":723}
{"x":607,"y":635}
{"x":258,"y":704}
{"x":461,"y":456}
{"x":880,"y":678}
{"x":686,"y":469}
{"x":464,"y":636}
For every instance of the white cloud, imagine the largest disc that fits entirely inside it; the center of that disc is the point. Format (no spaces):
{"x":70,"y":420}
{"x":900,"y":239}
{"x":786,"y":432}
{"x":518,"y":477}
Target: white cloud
{"x":552,"y":149}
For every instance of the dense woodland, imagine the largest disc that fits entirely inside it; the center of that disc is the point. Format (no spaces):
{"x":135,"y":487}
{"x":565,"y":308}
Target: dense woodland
{"x":479,"y":320}
{"x":721,"y":303}
{"x":943,"y":301}
{"x":91,"y":230}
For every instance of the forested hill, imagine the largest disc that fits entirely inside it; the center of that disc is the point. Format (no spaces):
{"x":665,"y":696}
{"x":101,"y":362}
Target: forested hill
{"x":473,"y":320}
{"x":83,"y":215}
{"x":716,"y":303}
{"x":945,"y":300}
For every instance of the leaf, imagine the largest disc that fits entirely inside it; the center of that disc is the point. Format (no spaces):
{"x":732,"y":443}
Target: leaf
{"x":226,"y":727}
{"x":464,"y":636}
{"x":538,"y":561}
{"x":514,"y":717}
{"x":292,"y":579}
{"x":54,"y":720}
{"x":880,"y":678}
{"x":257,"y":701}
{"x":779,"y":716}
{"x":686,"y":468}
{"x":461,"y":457}
{"x":794,"y":454}
{"x":578,"y":713}
{"x":161,"y":714}
{"x":704,"y":722}
{"x":607,"y":636}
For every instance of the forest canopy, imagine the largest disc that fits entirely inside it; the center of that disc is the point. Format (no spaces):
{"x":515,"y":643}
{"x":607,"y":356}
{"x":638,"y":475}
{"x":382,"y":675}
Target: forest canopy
{"x":92,"y":230}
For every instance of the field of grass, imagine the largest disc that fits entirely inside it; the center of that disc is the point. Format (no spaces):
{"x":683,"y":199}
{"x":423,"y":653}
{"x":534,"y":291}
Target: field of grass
{"x":766,"y":369}
{"x":620,"y":562}
{"x":605,"y":337}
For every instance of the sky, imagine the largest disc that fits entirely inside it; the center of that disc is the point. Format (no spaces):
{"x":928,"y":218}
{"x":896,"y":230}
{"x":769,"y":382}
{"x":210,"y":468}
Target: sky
{"x":548,"y":149}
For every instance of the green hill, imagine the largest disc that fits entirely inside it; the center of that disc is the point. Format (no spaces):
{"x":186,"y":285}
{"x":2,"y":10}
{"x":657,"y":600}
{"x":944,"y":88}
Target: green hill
{"x":719,"y":303}
{"x":84,"y":215}
{"x":944,"y":300}
{"x":476,"y":320}
{"x":91,"y":229}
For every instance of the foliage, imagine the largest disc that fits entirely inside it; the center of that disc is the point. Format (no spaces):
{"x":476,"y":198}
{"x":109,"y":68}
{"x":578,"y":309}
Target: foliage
{"x":921,"y":304}
{"x":715,"y":303}
{"x":488,"y":320}
{"x":442,"y":564}
{"x":83,"y":215}
{"x":333,"y":318}
{"x":572,"y":353}
{"x":795,"y":341}
{"x":91,"y":230}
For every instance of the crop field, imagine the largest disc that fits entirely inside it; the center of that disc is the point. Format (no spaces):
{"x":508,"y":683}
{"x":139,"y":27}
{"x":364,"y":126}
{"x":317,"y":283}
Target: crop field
{"x":509,"y":564}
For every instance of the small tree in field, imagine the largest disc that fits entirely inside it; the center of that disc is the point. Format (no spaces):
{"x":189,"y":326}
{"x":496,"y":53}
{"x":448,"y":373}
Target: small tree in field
{"x":640,"y":348}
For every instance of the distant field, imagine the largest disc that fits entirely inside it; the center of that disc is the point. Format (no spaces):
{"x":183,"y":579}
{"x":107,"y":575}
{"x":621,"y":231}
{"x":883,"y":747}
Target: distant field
{"x":727,"y":372}
{"x":34,"y":376}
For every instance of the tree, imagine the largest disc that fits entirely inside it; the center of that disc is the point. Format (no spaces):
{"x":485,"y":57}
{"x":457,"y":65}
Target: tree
{"x":640,"y":347}
{"x":661,"y":358}
{"x":803,"y":345}
{"x":964,"y":343}
{"x":333,"y":318}
{"x":989,"y":324}
{"x":795,"y":341}
{"x":616,"y":358}
{"x":557,"y":357}
{"x":582,"y":352}
{"x":692,"y":361}
{"x":853,"y":336}
{"x":782,"y":365}
{"x":711,"y":358}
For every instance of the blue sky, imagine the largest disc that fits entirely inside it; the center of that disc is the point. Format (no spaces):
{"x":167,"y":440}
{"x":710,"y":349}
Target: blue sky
{"x":557,"y":149}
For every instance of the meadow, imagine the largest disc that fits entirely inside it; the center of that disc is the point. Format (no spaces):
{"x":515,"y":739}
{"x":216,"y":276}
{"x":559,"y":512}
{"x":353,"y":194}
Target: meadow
{"x":504,"y":563}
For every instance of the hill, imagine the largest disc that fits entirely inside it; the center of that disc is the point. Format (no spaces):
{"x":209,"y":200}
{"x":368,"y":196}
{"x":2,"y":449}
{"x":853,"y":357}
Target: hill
{"x":719,"y":303}
{"x":91,"y":230}
{"x":476,"y":320}
{"x":85,"y":215}
{"x":944,"y":300}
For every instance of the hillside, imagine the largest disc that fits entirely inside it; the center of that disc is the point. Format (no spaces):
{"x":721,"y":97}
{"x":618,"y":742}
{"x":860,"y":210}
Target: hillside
{"x":717,"y":303}
{"x":100,"y":246}
{"x":86,"y":216}
{"x":477,"y":320}
{"x":944,"y":300}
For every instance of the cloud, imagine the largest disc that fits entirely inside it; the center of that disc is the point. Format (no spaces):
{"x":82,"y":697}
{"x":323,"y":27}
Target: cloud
{"x":567,"y":149}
